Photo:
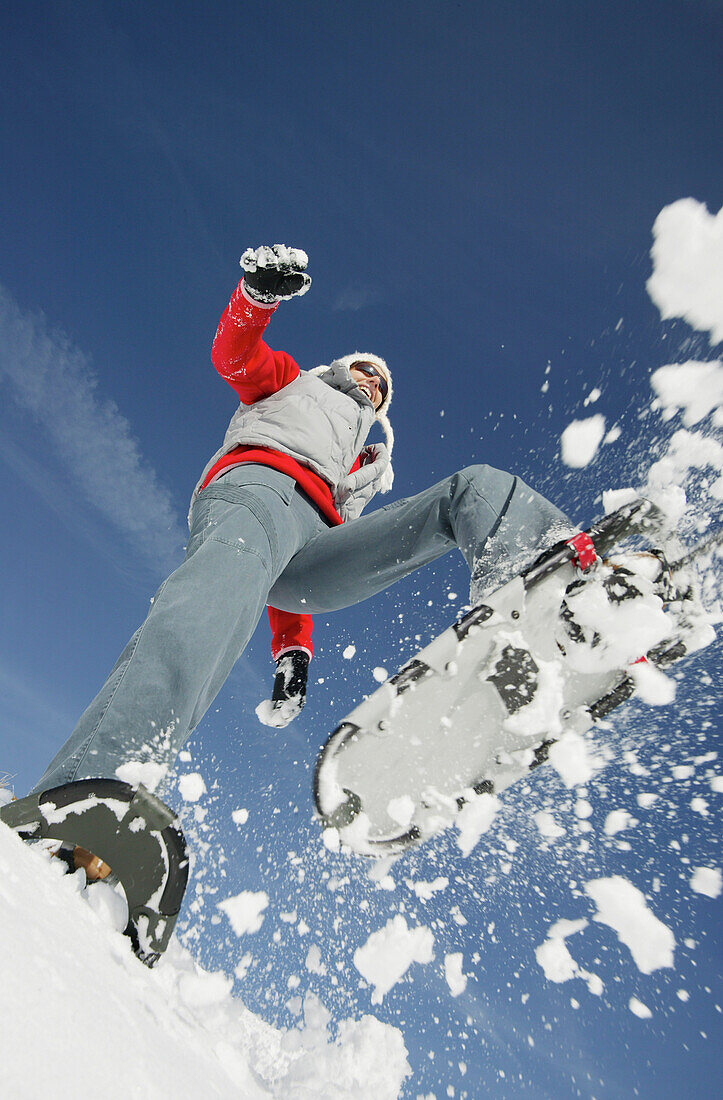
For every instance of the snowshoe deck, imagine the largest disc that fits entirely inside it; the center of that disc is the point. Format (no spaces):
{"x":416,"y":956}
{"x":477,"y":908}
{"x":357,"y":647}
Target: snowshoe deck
{"x":135,"y":833}
{"x":470,"y":714}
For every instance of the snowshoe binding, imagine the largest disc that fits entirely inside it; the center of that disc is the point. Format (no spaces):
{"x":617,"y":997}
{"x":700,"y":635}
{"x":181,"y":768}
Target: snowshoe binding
{"x":126,"y":828}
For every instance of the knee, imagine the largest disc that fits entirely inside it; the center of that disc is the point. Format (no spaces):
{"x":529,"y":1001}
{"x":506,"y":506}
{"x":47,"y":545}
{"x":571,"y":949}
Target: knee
{"x":487,"y":480}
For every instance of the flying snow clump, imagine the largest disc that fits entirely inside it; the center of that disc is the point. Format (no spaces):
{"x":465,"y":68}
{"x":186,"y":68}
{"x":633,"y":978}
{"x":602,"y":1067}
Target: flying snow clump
{"x":245,"y":911}
{"x":387,"y":954}
{"x":581,"y":439}
{"x":623,"y":908}
{"x":707,"y":880}
{"x":687,"y":255}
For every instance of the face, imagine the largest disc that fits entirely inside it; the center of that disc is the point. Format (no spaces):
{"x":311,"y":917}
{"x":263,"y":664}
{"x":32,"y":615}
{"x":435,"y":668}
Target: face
{"x":369,"y":379}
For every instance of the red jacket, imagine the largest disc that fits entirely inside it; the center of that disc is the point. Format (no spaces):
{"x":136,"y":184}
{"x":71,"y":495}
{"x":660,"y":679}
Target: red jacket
{"x":254,"y":370}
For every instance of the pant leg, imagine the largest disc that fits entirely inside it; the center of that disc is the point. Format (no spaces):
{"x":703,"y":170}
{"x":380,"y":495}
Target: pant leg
{"x":494,"y":519}
{"x":244,"y":530}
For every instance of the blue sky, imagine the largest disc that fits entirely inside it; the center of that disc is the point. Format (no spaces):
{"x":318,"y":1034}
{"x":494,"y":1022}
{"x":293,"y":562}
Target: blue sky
{"x":475,"y":185}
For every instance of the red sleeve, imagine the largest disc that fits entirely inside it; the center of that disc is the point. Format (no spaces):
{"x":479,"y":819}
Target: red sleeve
{"x":289,"y":631}
{"x":240,"y":355}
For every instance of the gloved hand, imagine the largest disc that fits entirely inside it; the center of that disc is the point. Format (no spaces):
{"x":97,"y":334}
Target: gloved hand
{"x":354,"y":491}
{"x":274,"y":273}
{"x":289,"y":691}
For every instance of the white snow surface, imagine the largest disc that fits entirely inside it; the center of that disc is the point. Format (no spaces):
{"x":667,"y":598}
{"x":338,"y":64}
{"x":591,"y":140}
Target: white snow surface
{"x":687,"y":255}
{"x":73,"y":983}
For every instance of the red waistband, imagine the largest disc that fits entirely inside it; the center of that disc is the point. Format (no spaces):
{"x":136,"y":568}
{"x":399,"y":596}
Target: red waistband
{"x":310,"y":483}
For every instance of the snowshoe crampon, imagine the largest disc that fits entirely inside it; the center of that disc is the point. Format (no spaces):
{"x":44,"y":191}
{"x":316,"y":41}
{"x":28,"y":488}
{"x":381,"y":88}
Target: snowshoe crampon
{"x":484,"y":703}
{"x":132,"y":831}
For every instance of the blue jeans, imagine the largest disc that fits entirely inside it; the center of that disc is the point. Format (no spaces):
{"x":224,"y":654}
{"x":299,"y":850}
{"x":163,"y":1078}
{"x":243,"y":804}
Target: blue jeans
{"x":257,"y":539}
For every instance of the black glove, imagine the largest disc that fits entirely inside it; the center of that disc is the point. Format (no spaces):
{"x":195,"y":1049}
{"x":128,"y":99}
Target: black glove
{"x":274,"y":273}
{"x":289,"y":693}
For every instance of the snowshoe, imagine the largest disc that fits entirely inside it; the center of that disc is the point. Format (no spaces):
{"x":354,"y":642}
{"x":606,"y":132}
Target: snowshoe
{"x":482,"y":705}
{"x":130,"y":830}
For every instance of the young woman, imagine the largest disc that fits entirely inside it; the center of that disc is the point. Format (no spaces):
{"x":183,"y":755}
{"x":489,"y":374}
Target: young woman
{"x":276,"y":520}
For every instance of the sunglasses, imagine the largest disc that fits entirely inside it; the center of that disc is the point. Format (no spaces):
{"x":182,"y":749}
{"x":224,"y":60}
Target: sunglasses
{"x":372,"y":372}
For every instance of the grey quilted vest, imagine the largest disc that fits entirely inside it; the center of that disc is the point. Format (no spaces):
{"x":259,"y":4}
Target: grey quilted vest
{"x":320,"y":419}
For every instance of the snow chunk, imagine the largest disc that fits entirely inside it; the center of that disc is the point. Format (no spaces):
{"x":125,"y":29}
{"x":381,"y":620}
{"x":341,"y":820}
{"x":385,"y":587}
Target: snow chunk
{"x":456,"y":980}
{"x":136,"y":771}
{"x":617,"y":820}
{"x":239,"y":817}
{"x":581,"y":439}
{"x":707,"y":880}
{"x":651,"y":685}
{"x":615,"y":498}
{"x":474,"y":819}
{"x":557,"y":962}
{"x":573,"y":759}
{"x":687,"y":255}
{"x":387,"y":954}
{"x":547,"y":825}
{"x":639,"y":1009}
{"x":313,"y":961}
{"x":401,"y":810}
{"x":623,"y":908}
{"x":695,"y":388}
{"x":349,"y":652}
{"x":427,"y":890}
{"x":245,"y":911}
{"x":191,"y":787}
{"x":380,"y":674}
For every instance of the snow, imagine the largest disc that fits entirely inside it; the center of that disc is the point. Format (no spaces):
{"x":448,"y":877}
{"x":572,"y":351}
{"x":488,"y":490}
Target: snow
{"x":456,"y":980}
{"x":574,"y":759}
{"x":191,"y":787}
{"x":245,"y":911}
{"x":474,"y":819}
{"x":639,"y":1009}
{"x":148,"y":773}
{"x":580,"y":440}
{"x":623,"y":908}
{"x":617,"y":820}
{"x":707,"y":881}
{"x":388,"y":953}
{"x":180,"y":1031}
{"x":349,"y":652}
{"x":426,"y":890}
{"x":687,"y":255}
{"x":694,"y":389}
{"x":617,"y":630}
{"x":553,"y":955}
{"x":651,"y":685}
{"x":401,"y":810}
{"x":548,"y":826}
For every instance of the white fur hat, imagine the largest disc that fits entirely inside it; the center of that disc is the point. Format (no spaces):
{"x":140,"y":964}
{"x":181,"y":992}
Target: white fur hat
{"x":376,"y":361}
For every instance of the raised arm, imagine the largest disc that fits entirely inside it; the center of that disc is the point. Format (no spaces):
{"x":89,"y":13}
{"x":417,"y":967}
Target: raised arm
{"x":239,"y":353}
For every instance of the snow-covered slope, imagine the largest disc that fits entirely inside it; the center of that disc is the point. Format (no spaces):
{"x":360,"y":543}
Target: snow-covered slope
{"x":82,"y":1017}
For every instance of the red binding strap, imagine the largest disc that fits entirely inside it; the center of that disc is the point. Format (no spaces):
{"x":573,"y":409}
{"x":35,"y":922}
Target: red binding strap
{"x":584,"y":554}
